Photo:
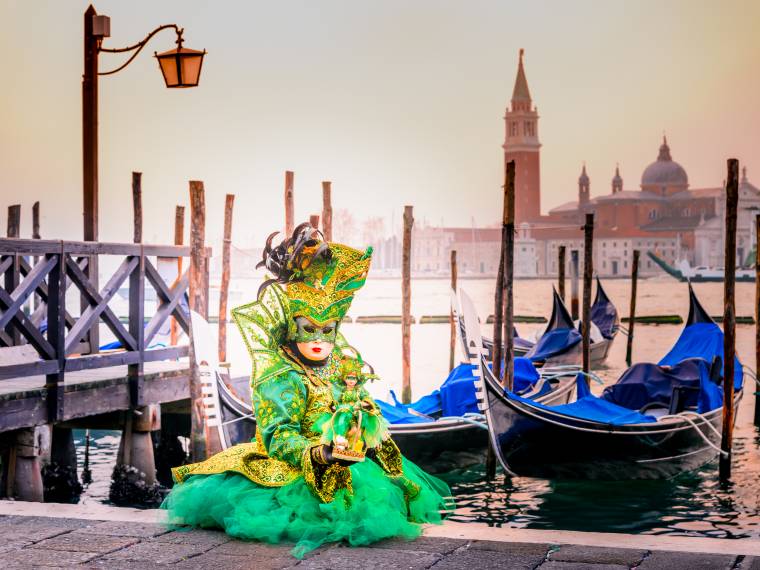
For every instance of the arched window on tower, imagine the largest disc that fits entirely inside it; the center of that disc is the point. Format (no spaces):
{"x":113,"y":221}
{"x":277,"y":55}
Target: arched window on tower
{"x":513,"y":129}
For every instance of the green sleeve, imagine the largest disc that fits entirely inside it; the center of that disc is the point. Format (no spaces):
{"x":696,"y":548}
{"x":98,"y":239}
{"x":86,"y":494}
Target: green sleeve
{"x":280,"y":404}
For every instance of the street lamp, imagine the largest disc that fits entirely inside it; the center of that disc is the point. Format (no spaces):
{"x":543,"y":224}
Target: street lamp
{"x":181,"y":67}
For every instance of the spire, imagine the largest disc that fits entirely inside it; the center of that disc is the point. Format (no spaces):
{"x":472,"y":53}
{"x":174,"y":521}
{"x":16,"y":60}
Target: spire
{"x":583,"y":177}
{"x":521,"y":91}
{"x":744,"y":175}
{"x":617,"y":181}
{"x":664,"y":151}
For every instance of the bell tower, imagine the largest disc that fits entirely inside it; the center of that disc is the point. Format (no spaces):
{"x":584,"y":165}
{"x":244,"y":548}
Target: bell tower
{"x":521,"y":145}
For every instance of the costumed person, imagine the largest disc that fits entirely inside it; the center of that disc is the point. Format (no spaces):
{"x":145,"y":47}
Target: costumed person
{"x":287,"y":485}
{"x":356,"y":425}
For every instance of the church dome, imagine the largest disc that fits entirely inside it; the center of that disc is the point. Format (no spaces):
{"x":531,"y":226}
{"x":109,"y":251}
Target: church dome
{"x":664,"y":171}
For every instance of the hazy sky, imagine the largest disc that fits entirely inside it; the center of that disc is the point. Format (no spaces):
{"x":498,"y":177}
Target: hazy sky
{"x":396,"y":102}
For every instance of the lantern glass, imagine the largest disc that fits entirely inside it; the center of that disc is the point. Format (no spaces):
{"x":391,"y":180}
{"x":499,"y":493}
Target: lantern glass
{"x":181,"y":67}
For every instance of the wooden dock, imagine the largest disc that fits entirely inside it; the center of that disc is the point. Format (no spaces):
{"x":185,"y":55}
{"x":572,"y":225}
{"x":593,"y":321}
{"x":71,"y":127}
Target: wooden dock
{"x":54,"y":374}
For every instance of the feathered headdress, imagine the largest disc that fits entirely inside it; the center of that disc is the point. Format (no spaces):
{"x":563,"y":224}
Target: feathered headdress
{"x":320,"y":278}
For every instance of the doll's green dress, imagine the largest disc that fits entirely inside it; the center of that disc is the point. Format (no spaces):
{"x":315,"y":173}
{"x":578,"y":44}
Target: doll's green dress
{"x":270,"y":489}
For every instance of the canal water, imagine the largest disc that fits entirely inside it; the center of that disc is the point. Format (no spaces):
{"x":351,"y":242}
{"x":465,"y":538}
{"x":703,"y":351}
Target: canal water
{"x":691,"y":504}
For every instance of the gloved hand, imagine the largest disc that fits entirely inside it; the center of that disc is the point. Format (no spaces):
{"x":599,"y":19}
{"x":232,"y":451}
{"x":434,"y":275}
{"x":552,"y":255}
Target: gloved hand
{"x":322,"y":454}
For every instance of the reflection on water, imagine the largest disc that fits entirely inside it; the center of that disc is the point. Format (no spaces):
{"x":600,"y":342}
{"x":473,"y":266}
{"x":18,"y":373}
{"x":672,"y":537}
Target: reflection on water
{"x":692,"y":504}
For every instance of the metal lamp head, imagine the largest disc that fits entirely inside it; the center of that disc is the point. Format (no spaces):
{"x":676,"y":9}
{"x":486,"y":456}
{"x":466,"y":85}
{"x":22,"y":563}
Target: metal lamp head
{"x":181,"y":67}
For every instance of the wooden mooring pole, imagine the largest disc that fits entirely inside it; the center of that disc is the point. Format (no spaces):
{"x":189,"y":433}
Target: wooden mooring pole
{"x":224,"y":288}
{"x":588,"y":271}
{"x":757,"y":318}
{"x":561,"y":272}
{"x":36,"y":221}
{"x":498,"y":311}
{"x":452,"y":324}
{"x":632,"y":314}
{"x":199,"y":304}
{"x":14,"y":221}
{"x":729,"y":318}
{"x":406,"y":306}
{"x":574,"y":283}
{"x":137,"y":206}
{"x":289,"y":212}
{"x":179,"y":239}
{"x":327,"y":210}
{"x":509,"y":265}
{"x":13,"y":273}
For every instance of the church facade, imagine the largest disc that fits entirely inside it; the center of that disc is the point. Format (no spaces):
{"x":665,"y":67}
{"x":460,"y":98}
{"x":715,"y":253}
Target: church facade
{"x":663,"y":215}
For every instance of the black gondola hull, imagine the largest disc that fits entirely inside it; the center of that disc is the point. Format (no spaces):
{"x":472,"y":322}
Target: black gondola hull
{"x":538,"y":443}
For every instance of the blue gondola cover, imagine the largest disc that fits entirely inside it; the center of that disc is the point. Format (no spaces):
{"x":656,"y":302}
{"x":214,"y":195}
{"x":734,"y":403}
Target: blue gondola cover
{"x":703,"y":340}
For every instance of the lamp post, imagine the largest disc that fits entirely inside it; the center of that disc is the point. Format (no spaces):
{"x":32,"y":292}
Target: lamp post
{"x":181,"y":67}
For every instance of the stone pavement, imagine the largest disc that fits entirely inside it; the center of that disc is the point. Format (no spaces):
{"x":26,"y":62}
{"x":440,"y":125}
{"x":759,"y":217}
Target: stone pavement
{"x":46,"y":542}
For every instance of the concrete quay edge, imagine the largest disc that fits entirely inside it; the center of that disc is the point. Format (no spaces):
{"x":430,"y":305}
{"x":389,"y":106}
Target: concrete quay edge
{"x":450,"y":530}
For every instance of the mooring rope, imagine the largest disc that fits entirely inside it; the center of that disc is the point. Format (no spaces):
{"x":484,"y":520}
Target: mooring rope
{"x":684,"y":416}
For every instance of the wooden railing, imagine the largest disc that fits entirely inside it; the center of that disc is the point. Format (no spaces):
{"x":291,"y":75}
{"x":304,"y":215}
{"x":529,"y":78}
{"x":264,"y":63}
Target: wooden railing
{"x":36,"y":276}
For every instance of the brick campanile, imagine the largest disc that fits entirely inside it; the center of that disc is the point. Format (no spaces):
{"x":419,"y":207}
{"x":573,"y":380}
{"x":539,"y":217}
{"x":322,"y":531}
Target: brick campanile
{"x":521,"y":145}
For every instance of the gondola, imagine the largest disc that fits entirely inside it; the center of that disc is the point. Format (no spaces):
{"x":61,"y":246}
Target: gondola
{"x":562,"y":345}
{"x":656,"y":421}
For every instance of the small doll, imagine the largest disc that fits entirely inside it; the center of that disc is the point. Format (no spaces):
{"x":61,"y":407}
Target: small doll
{"x":356,"y":423}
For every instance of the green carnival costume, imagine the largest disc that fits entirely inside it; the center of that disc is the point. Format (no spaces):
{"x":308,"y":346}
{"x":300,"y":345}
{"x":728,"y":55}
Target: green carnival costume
{"x":285,"y":485}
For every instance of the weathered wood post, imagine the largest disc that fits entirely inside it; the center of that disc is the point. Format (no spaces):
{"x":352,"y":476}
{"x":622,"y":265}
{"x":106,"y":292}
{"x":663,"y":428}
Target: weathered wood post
{"x":14,"y":221}
{"x":327,"y":209}
{"x":314,"y":221}
{"x":509,"y":265}
{"x":13,"y":273}
{"x":574,"y":283}
{"x":35,"y":235}
{"x":179,"y":235}
{"x":452,"y":324}
{"x":729,"y":318}
{"x":289,"y":211}
{"x":632,"y":314}
{"x":561,"y":272}
{"x":199,"y":304}
{"x":588,"y":271}
{"x":25,"y":469}
{"x":757,"y":316}
{"x":137,"y":206}
{"x":36,"y":220}
{"x":224,"y":288}
{"x":406,"y":307}
{"x":498,"y":311}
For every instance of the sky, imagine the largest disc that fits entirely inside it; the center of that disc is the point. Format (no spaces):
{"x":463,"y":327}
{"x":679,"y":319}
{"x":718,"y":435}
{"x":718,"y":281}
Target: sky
{"x":395,"y":102}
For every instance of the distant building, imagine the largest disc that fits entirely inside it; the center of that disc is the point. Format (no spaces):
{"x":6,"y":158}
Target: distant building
{"x":663,"y":215}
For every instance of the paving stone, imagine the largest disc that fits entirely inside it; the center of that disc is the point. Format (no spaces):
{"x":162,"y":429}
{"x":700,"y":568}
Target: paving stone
{"x":687,"y":561}
{"x":82,"y":542}
{"x":33,"y":532}
{"x":250,"y":548}
{"x":229,"y":562}
{"x":750,"y":563}
{"x":11,"y":545}
{"x":112,"y":564}
{"x":521,"y":548}
{"x":369,"y":559}
{"x":556,"y":565}
{"x":207,"y":538}
{"x":423,"y":544}
{"x":597,"y":555}
{"x":120,"y":528}
{"x":34,"y":557}
{"x":489,"y":560}
{"x":157,"y":552}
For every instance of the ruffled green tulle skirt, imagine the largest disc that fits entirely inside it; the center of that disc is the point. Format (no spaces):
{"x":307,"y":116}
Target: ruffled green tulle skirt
{"x":376,"y":510}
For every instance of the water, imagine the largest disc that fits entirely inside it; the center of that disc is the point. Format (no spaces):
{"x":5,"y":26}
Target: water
{"x":692,"y":504}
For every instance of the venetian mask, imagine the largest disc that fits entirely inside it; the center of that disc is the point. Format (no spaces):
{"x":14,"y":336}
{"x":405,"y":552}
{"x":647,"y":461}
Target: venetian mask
{"x":315,"y":342}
